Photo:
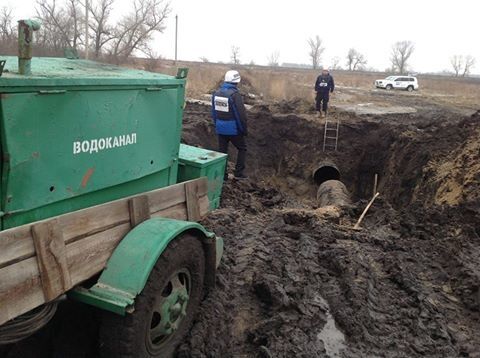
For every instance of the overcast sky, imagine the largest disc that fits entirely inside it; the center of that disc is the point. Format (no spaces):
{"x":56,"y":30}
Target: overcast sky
{"x":209,"y":28}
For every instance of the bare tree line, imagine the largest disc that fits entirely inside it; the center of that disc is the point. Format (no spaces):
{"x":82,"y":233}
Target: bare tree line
{"x":401,"y":53}
{"x":462,"y":65}
{"x":316,"y":50}
{"x":235,"y":55}
{"x":274,"y":59}
{"x":8,"y":30}
{"x":355,"y":60}
{"x":63,"y":27}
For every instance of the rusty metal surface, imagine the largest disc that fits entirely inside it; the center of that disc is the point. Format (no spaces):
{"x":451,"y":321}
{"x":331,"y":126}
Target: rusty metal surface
{"x":25,"y":40}
{"x":2,"y":65}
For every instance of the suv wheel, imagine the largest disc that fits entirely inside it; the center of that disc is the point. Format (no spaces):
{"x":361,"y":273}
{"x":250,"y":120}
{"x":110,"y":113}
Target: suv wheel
{"x":389,"y":87}
{"x":410,"y":88}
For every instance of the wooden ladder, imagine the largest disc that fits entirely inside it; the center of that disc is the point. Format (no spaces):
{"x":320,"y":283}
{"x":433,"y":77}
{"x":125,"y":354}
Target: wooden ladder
{"x":330,"y":135}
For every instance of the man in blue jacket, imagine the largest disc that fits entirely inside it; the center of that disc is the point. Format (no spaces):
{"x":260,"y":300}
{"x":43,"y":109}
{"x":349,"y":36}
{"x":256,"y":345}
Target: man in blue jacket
{"x":323,"y":86}
{"x":230,"y":118}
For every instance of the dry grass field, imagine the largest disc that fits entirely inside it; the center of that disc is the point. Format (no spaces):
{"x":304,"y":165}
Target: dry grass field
{"x":279,"y":83}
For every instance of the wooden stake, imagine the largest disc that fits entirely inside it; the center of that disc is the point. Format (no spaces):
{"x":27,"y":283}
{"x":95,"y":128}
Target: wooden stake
{"x":357,"y":225}
{"x":375,"y":182}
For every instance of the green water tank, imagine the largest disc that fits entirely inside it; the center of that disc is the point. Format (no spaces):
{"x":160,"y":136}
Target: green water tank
{"x":78,"y":133}
{"x":197,"y":162}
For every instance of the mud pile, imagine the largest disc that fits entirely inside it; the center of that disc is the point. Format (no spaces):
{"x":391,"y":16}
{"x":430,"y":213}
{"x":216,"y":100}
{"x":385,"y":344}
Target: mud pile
{"x":297,"y":105}
{"x":407,"y":284}
{"x":250,"y":94}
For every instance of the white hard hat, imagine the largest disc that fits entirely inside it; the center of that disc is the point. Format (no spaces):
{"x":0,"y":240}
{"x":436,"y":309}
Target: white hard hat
{"x":232,"y":76}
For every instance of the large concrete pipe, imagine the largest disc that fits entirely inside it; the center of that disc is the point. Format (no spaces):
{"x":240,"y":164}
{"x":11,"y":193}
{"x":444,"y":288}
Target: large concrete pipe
{"x":333,"y":192}
{"x":325,"y":171}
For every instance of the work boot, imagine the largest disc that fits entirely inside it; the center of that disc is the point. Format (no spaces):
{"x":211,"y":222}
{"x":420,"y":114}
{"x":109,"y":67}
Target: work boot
{"x":319,"y":114}
{"x":240,"y":176}
{"x":325,"y":114}
{"x":322,"y":115}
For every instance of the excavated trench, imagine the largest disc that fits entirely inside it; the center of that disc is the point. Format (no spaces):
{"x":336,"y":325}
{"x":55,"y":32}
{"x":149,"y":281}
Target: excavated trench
{"x":286,"y":151}
{"x":297,"y":281}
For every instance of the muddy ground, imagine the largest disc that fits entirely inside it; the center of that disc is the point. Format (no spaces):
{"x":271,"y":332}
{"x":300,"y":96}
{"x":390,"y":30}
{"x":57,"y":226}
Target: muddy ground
{"x":297,"y":281}
{"x":406,"y":285}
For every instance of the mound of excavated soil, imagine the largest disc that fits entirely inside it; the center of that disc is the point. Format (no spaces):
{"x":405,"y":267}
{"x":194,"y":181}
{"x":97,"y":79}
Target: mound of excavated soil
{"x":250,"y":94}
{"x":456,"y":177}
{"x":297,"y":105}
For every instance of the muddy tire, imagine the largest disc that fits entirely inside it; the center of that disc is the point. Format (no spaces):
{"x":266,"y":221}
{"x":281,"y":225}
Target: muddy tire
{"x":410,"y":88}
{"x":164,"y":310}
{"x":389,"y":87}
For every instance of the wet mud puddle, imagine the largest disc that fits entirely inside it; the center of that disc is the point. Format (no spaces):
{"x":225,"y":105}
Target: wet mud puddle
{"x":333,"y":339}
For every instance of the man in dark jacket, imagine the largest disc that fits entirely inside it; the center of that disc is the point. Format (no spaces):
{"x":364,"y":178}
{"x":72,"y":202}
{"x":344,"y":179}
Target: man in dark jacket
{"x":323,"y":86}
{"x":230,"y":118}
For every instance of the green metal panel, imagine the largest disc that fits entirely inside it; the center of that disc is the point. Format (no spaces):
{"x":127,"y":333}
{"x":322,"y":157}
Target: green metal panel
{"x":98,"y":137}
{"x":62,"y":72}
{"x":198,"y":162}
{"x":129,"y":266}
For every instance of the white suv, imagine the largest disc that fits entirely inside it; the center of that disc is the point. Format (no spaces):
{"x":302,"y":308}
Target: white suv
{"x":408,"y":83}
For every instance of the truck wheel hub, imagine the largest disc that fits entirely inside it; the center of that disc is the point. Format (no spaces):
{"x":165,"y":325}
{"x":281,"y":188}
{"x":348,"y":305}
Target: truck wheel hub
{"x":170,"y":307}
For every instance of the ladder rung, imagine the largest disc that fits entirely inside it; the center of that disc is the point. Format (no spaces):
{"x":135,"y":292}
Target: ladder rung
{"x":331,"y":128}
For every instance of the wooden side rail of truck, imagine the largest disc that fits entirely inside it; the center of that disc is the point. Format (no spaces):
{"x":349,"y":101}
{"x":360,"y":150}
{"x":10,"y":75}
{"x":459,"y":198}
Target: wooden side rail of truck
{"x":41,"y":261}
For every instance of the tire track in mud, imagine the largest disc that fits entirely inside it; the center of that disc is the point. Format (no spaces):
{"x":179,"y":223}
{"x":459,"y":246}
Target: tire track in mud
{"x":276,"y":309}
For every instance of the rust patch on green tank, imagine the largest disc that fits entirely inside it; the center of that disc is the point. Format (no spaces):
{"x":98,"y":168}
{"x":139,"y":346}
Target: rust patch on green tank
{"x":87,"y":177}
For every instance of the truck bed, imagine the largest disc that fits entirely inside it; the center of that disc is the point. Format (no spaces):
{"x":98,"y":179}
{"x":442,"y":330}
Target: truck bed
{"x":42,"y":260}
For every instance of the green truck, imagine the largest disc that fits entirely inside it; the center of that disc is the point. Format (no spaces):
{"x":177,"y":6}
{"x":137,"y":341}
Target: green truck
{"x":100,"y":202}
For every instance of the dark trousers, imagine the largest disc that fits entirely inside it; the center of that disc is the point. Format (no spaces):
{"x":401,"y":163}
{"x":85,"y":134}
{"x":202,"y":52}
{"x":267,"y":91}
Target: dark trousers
{"x":322,"y":101}
{"x":238,"y":142}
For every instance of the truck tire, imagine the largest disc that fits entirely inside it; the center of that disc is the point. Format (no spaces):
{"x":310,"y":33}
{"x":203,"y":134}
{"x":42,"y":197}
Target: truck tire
{"x":165,"y":308}
{"x":389,"y":87}
{"x":410,"y":88}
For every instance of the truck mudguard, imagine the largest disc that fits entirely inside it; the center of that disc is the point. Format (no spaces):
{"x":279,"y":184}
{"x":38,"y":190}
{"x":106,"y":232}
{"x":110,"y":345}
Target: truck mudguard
{"x":132,"y":261}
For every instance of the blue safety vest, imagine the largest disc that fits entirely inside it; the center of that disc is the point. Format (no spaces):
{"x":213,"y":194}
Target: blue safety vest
{"x":224,"y":111}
